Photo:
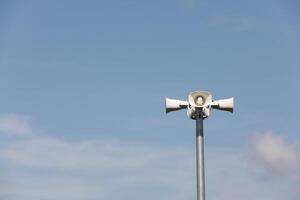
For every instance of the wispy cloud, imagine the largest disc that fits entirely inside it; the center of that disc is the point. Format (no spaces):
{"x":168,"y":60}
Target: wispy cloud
{"x":240,"y":24}
{"x":41,"y":167}
{"x":91,"y":156}
{"x":104,"y":169}
{"x":189,"y":4}
{"x":14,"y":124}
{"x":49,"y":168}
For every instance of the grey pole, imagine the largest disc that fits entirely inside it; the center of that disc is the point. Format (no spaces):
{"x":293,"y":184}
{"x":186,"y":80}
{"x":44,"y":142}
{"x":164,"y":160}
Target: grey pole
{"x":200,"y":155}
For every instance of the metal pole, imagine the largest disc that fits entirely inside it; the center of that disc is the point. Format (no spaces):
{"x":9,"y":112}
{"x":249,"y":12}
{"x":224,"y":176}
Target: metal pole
{"x":200,"y":155}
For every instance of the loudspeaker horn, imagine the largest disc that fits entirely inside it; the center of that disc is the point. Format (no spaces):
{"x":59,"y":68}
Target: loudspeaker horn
{"x":224,"y":104}
{"x":174,"y":104}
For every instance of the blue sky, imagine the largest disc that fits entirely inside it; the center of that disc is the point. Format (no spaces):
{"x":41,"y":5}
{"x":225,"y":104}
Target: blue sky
{"x":95,"y":74}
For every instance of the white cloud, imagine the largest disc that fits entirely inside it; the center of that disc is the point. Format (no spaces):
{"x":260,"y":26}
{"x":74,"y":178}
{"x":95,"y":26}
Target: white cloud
{"x":88,"y":155}
{"x":50,"y":168}
{"x":47,"y":168}
{"x":229,"y":176}
{"x":13,"y":124}
{"x":274,"y":154}
{"x":104,"y":169}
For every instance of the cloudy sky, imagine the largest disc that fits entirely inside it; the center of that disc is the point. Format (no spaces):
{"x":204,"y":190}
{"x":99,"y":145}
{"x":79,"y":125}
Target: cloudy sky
{"x":82,"y":99}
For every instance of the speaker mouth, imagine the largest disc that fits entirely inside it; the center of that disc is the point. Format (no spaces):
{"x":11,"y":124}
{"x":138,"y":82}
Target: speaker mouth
{"x":200,"y":100}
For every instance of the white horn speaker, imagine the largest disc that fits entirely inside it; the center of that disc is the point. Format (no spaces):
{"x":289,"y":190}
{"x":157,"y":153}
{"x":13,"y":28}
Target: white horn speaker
{"x":224,"y":104}
{"x":174,"y":104}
